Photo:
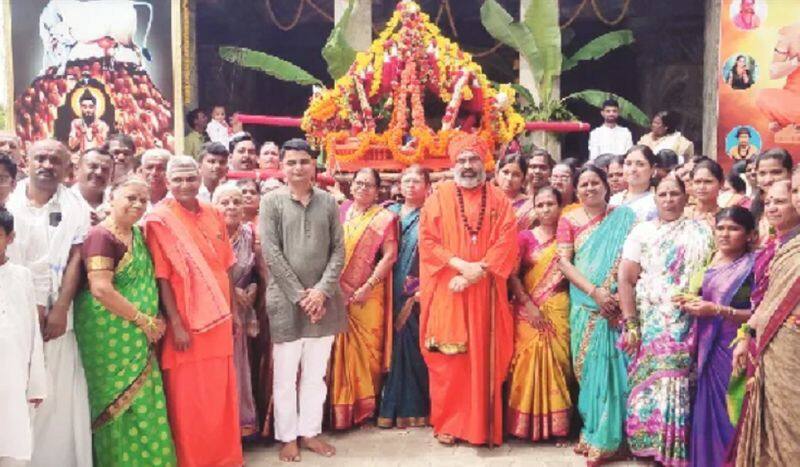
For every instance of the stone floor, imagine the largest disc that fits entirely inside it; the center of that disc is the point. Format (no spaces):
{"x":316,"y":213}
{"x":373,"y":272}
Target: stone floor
{"x":416,"y":447}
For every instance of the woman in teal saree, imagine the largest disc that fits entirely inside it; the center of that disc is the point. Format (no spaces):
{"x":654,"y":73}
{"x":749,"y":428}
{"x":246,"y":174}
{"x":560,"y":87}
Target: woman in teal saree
{"x":590,"y":240}
{"x":116,"y":324}
{"x":405,"y":401}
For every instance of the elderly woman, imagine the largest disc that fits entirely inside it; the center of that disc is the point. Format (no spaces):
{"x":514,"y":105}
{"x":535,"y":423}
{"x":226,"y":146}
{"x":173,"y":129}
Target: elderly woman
{"x":360,"y":355}
{"x":251,"y":199}
{"x":228,"y":199}
{"x":768,"y":343}
{"x":659,"y":259}
{"x":117,"y":324}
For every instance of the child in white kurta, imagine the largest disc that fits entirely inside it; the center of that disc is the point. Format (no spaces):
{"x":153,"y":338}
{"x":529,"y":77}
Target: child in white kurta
{"x":24,"y":380}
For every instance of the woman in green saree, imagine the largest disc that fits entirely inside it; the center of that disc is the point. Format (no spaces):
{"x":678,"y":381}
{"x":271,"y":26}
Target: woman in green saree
{"x":590,"y":240}
{"x":116,"y":324}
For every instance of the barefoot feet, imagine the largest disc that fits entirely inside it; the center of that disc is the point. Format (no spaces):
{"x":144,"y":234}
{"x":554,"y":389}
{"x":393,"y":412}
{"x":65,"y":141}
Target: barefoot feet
{"x":445,"y":439}
{"x":317,"y":445}
{"x":290,"y":452}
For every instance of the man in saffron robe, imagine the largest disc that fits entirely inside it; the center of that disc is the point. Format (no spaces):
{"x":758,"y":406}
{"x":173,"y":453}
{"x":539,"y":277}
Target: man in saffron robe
{"x":192,"y":256}
{"x":467,"y":245}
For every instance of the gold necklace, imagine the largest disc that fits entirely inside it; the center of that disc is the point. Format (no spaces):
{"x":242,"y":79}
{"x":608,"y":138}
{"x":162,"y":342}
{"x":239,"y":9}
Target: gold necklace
{"x":124,"y":237}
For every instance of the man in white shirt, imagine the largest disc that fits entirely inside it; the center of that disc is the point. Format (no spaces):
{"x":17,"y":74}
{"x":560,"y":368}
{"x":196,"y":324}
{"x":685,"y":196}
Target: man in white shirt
{"x":91,"y":180}
{"x":609,"y":138}
{"x":213,"y":169}
{"x":52,"y":216}
{"x":154,"y":170}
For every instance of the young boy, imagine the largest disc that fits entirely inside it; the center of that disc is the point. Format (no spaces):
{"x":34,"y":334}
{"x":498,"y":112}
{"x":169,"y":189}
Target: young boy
{"x":218,"y":129}
{"x":8,"y":177}
{"x":21,"y":356}
{"x":609,"y":138}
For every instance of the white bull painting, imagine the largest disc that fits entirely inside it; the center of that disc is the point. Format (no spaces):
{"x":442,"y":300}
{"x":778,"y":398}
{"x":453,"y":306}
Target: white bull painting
{"x":102,"y":29}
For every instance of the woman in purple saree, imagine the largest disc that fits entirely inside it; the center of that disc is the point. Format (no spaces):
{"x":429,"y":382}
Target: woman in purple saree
{"x":724,"y":305}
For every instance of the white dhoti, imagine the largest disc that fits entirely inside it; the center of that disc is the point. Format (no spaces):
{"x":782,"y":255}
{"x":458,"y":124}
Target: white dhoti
{"x":61,"y":425}
{"x":310,"y":356}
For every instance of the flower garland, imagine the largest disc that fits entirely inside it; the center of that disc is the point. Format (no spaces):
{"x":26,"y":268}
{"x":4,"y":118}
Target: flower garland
{"x":409,"y":57}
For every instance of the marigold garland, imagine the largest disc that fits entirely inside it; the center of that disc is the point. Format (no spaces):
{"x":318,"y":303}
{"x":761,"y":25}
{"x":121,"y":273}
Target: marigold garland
{"x":409,"y":57}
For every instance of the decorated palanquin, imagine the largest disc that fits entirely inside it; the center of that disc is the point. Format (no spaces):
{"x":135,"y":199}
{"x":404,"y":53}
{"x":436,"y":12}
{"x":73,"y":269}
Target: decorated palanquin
{"x":402,"y":100}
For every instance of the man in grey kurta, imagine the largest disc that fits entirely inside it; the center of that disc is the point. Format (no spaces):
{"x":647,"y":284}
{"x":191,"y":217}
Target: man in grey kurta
{"x":302,"y":242}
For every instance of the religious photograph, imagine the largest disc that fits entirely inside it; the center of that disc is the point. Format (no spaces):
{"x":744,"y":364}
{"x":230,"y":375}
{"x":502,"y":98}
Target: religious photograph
{"x":740,"y":72}
{"x":742,"y":142}
{"x":748,"y":14}
{"x":83,"y":70}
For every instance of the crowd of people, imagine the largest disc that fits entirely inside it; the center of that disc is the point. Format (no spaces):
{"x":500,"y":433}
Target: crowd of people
{"x":157,"y":310}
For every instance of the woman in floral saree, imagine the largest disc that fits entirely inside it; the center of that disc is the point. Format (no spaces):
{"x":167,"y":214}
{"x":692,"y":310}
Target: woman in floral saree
{"x":723,"y":305}
{"x":363,"y":353}
{"x":405,"y":401}
{"x":659,"y":259}
{"x":539,"y":403}
{"x":594,"y":235}
{"x":117,"y":324}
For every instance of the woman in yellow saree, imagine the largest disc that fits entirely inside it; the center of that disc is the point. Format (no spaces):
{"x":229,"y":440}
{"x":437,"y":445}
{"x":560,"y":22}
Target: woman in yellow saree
{"x":539,"y":403}
{"x":363,"y":353}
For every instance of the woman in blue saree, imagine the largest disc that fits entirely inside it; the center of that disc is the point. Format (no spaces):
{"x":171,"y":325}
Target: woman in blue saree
{"x":405,"y":401}
{"x":590,"y":240}
{"x":723,"y":306}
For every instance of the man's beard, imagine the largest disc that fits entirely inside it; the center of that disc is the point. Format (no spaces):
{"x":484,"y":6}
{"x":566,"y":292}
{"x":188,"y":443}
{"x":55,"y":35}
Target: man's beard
{"x":88,"y":119}
{"x":469,"y":182}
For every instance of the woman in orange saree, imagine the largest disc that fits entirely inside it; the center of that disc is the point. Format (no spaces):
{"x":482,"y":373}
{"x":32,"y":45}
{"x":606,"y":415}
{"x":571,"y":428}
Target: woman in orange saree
{"x":539,"y":402}
{"x":363,"y":353}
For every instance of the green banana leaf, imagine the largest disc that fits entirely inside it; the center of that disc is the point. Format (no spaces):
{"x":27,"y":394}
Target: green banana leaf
{"x":337,"y":52}
{"x":524,"y":93}
{"x":518,"y":36}
{"x":541,"y":18}
{"x":598,"y":47}
{"x":627,"y":109}
{"x":268,"y":64}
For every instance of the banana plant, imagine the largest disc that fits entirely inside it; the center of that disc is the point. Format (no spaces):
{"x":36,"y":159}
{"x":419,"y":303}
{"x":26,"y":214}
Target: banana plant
{"x":338,"y":55}
{"x":537,"y":38}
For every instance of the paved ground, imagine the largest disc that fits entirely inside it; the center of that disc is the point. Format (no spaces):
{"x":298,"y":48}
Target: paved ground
{"x":416,"y":447}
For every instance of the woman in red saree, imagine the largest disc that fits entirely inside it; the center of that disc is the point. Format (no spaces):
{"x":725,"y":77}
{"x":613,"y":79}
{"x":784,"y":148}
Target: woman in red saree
{"x":363,"y":353}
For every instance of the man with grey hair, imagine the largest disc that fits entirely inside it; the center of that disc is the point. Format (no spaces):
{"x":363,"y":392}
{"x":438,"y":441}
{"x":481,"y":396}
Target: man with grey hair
{"x":154,"y":170}
{"x":192,"y":257}
{"x":51,"y":228}
{"x":467,"y":249}
{"x":269,"y":156}
{"x":9,"y":141}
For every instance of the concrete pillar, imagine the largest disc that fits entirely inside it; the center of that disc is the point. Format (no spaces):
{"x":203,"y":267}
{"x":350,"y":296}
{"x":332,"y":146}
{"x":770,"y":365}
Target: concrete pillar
{"x":6,"y":71}
{"x":710,"y":77}
{"x":359,"y":30}
{"x":549,"y":141}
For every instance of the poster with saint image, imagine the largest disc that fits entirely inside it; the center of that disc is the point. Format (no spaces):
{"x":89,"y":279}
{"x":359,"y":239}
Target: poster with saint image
{"x":85,"y":69}
{"x":759,"y":78}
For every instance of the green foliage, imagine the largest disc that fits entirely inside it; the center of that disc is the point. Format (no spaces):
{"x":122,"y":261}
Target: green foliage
{"x":541,"y":18}
{"x":538,"y":38}
{"x":627,"y":109}
{"x":269,"y":64}
{"x":518,"y":36}
{"x":598,"y":47}
{"x":337,"y":51}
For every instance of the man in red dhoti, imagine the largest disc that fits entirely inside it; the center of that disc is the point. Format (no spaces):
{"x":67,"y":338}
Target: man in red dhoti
{"x":468,"y":246}
{"x":192,"y":257}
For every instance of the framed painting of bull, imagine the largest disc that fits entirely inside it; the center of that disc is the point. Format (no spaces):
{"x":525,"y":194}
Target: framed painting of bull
{"x":84,"y":69}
